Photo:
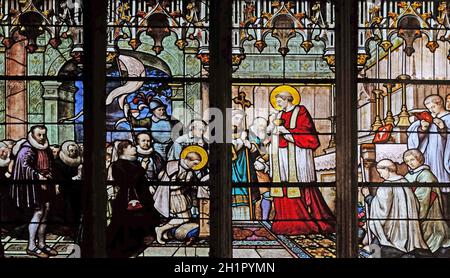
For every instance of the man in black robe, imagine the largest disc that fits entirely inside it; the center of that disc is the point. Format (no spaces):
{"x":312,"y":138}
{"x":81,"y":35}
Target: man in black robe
{"x":65,"y":170}
{"x":131,"y":226}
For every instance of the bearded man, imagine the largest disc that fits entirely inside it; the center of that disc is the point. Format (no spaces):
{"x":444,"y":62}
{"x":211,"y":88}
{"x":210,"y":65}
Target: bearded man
{"x":34,"y":165}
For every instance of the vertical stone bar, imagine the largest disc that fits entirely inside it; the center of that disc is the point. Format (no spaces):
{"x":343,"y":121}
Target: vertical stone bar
{"x":346,"y":131}
{"x":220,"y":152}
{"x":94,"y":193}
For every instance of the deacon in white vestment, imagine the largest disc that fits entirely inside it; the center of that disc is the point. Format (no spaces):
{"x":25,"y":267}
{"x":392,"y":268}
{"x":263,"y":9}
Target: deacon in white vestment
{"x":388,"y":206}
{"x":433,"y":140}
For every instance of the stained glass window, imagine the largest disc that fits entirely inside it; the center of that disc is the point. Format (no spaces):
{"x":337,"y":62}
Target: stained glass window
{"x":283,"y":160}
{"x":157,"y":123}
{"x":287,"y":180}
{"x":41,"y":127}
{"x":403,"y":92}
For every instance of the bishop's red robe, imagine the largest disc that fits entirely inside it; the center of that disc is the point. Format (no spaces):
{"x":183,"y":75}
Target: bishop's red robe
{"x":308,"y":213}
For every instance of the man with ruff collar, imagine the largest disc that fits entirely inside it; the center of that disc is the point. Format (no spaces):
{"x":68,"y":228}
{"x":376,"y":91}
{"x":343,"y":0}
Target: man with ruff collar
{"x":150,"y":160}
{"x":34,"y":163}
{"x":66,"y":169}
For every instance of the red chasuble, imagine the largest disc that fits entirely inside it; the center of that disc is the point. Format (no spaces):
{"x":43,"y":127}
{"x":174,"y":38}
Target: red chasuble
{"x":304,"y":133}
{"x":311,"y":209}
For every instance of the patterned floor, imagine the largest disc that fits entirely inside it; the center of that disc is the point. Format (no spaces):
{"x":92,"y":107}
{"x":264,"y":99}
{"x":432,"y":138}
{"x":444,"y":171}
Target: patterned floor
{"x":176,"y":249}
{"x":16,"y":248}
{"x":251,"y":240}
{"x":255,"y":240}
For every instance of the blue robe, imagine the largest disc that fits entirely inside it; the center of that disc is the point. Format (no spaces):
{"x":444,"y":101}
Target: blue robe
{"x":240,"y":174}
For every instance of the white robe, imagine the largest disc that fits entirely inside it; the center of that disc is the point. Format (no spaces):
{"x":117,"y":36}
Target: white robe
{"x":435,"y":148}
{"x":390,"y":204}
{"x":168,"y":200}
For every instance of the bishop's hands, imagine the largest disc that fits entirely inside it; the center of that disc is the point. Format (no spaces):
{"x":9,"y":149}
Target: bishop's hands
{"x":282,"y":130}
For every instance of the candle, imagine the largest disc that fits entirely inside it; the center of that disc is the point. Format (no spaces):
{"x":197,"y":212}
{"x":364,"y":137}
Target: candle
{"x":377,"y":66}
{"x":134,"y":10}
{"x":403,"y":60}
{"x":202,"y":11}
{"x":258,"y":9}
{"x":389,"y":64}
{"x":77,"y":12}
{"x":332,"y":99}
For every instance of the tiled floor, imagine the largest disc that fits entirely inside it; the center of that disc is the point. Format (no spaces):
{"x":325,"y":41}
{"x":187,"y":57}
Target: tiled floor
{"x":251,"y":240}
{"x":255,"y":240}
{"x":16,"y":248}
{"x":176,"y":249}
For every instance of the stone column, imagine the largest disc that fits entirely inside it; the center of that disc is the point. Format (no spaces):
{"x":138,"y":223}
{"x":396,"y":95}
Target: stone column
{"x":50,"y":97}
{"x":16,"y":91}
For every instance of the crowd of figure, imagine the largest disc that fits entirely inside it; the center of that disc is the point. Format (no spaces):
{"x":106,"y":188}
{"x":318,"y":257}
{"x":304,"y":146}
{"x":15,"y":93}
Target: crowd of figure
{"x":171,"y":209}
{"x":276,"y":152}
{"x":156,"y":193}
{"x":155,"y":177}
{"x":412,"y":220}
{"x":42,"y":189}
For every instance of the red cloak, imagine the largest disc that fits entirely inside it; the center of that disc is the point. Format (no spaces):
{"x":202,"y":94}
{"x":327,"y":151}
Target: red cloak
{"x":308,"y":214}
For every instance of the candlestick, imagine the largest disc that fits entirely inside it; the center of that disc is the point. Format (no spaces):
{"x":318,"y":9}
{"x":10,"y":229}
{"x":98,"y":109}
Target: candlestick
{"x":389,"y":116}
{"x":377,"y":123}
{"x":403,"y":120}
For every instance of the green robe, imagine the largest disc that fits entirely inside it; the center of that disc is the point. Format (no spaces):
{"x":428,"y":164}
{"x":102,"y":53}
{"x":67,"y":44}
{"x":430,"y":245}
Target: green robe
{"x":435,"y":233}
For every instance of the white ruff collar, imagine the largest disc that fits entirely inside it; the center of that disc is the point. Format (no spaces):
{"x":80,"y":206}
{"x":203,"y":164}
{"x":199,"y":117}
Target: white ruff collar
{"x":72,"y":162}
{"x":143,"y":152}
{"x":35,"y":143}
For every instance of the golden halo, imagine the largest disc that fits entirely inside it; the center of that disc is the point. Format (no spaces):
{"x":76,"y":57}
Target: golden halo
{"x":196,"y":149}
{"x":284,"y":88}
